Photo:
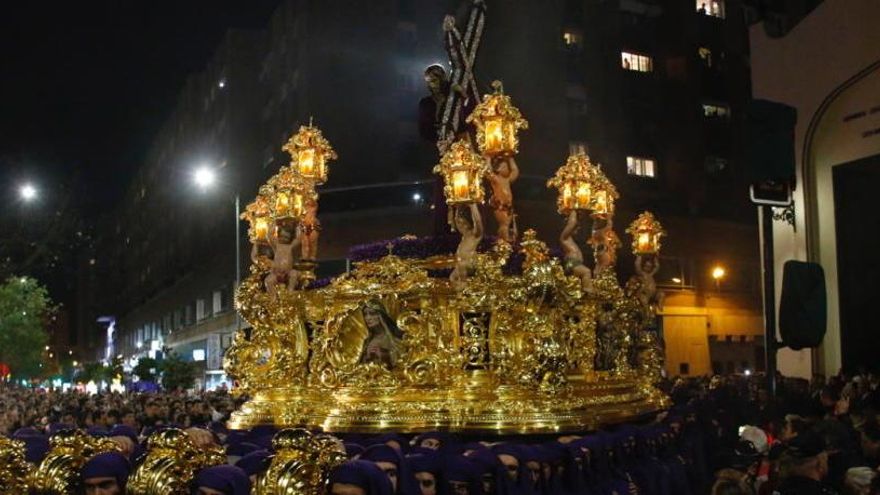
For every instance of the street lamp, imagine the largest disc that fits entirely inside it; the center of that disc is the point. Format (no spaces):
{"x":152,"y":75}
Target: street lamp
{"x":204,"y":178}
{"x":718,"y":273}
{"x":27,"y":192}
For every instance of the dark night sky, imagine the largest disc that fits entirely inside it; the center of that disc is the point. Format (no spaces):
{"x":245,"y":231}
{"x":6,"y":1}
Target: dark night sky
{"x":85,"y":85}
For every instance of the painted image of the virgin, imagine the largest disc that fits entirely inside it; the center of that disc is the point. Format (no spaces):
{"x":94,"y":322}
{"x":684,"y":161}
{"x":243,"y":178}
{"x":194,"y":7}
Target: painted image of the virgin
{"x":382,"y":345}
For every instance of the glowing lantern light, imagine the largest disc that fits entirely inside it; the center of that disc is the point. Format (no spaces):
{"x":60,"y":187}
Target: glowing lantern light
{"x":462,"y":170}
{"x":646,"y":232}
{"x":574,"y":183}
{"x":310,"y":152}
{"x":498,"y":123}
{"x":604,"y":196}
{"x":261,"y":229}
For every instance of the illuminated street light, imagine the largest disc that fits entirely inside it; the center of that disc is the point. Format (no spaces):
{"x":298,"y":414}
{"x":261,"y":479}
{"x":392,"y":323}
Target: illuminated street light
{"x":27,"y":192}
{"x":204,"y":177}
{"x":417,"y":197}
{"x":47,"y":348}
{"x":75,"y":363}
{"x":718,"y":274}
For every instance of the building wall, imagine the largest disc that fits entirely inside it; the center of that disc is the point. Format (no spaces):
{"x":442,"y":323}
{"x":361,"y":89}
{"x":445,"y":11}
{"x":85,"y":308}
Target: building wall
{"x":824,"y":81}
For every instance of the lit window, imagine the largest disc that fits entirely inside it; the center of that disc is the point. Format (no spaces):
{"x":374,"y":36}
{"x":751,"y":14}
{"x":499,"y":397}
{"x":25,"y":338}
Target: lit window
{"x":705,"y":55}
{"x":198,"y":354}
{"x":217,"y":301}
{"x":575,"y":147}
{"x":636,"y":62}
{"x":714,"y":8}
{"x":572,"y":38}
{"x":643,"y":167}
{"x":200,"y":309}
{"x":716,"y":111}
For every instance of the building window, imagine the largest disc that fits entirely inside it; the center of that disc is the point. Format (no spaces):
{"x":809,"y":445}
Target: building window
{"x":705,"y":55}
{"x":198,"y":354}
{"x":575,"y":147}
{"x":716,"y":110}
{"x":636,"y":62}
{"x":643,"y":167}
{"x":217,"y":300}
{"x":573,"y":39}
{"x":714,"y":8}
{"x":200,"y":309}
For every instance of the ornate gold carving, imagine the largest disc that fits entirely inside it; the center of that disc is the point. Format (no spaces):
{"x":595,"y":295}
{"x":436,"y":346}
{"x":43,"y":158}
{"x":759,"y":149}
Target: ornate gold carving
{"x":301,"y":464}
{"x":13,"y":467}
{"x":171,"y":463}
{"x":68,"y":451}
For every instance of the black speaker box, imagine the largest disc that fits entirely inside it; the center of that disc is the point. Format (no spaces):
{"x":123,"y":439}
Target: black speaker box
{"x":802,"y":307}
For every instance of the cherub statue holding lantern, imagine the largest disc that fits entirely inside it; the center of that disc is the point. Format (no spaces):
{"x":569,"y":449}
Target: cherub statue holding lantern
{"x":573,"y":261}
{"x":462,"y":171}
{"x":471,"y":235}
{"x":497,"y":123}
{"x":646,"y":232}
{"x":501,"y":174}
{"x":284,"y":240}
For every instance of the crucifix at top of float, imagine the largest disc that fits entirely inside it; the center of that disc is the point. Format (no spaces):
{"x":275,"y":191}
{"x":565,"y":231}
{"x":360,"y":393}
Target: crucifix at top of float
{"x":463,"y":93}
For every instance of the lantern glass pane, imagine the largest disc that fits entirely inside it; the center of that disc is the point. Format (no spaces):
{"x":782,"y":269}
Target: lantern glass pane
{"x":306,"y":160}
{"x":460,"y":185}
{"x":494,"y":135}
{"x":282,"y":204}
{"x":582,"y":196}
{"x":261,"y":228}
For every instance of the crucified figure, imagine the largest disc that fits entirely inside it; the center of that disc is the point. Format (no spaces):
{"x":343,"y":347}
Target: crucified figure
{"x":471,"y":235}
{"x":283,"y":244}
{"x":573,"y":256}
{"x":501,"y":175}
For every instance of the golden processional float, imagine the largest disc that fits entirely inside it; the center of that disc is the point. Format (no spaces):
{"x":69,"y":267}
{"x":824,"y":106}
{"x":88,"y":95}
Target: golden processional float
{"x":513,"y":341}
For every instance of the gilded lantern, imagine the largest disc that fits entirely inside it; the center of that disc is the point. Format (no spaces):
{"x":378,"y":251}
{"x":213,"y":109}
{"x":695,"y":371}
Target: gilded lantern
{"x":292,"y":195}
{"x":604,"y":196}
{"x":574,"y":181}
{"x":498,"y":123}
{"x":259,"y":216}
{"x":462,"y":170}
{"x":309,"y":154}
{"x":646,"y":232}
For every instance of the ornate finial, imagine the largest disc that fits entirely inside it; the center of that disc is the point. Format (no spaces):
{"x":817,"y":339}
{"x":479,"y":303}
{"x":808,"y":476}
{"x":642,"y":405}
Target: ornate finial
{"x":534,"y":250}
{"x":498,"y":86}
{"x":390,"y":248}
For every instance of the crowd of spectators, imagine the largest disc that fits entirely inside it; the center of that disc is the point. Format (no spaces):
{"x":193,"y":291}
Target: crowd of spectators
{"x":723,"y":436}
